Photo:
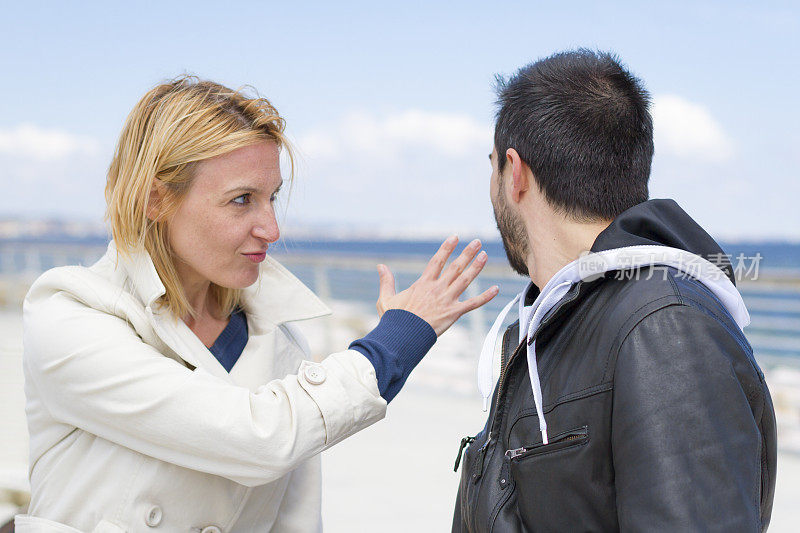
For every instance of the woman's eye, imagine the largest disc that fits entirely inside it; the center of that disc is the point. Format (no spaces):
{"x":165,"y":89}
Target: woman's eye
{"x":273,"y":197}
{"x":242,"y":200}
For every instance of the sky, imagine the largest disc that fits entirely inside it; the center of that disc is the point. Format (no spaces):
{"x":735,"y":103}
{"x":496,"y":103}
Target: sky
{"x":391,"y":107}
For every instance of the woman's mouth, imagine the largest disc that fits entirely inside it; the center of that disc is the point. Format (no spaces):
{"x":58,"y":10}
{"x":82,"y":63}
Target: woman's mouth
{"x":257,"y":257}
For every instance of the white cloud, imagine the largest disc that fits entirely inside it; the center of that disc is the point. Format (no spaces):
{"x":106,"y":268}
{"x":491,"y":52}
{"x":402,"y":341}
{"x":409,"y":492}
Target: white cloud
{"x":51,"y":172}
{"x":688,"y":130}
{"x":30,"y":141}
{"x":414,"y":171}
{"x":448,"y":134}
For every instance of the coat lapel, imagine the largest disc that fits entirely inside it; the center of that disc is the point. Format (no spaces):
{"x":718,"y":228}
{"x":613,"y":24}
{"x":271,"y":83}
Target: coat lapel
{"x":277,"y":297}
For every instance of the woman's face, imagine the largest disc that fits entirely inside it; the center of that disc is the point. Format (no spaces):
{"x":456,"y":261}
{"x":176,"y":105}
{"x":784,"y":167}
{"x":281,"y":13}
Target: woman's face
{"x":223,"y":227}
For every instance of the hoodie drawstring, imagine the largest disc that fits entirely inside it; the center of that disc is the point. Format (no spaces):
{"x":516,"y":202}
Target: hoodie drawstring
{"x":540,"y":308}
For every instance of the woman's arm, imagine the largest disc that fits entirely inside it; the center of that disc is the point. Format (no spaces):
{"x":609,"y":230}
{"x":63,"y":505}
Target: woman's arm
{"x":91,"y":370}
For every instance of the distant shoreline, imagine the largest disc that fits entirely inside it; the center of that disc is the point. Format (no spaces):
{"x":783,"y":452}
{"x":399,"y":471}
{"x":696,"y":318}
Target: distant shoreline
{"x":776,"y":256}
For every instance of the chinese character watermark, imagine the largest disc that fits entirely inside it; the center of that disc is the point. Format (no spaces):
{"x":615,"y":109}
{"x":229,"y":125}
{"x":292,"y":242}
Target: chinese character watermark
{"x":747,"y":266}
{"x":645,"y":264}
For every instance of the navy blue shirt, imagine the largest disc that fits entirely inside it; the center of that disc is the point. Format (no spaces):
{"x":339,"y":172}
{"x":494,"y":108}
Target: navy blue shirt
{"x":231,"y":342}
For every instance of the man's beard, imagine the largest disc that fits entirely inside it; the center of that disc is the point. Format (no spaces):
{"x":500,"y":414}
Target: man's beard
{"x":512,"y":231}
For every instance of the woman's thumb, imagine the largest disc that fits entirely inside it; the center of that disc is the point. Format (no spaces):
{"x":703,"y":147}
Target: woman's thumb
{"x":386,"y":282}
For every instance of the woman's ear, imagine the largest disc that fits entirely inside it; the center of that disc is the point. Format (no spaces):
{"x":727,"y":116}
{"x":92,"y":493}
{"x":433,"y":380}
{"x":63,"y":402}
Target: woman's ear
{"x":154,"y":201}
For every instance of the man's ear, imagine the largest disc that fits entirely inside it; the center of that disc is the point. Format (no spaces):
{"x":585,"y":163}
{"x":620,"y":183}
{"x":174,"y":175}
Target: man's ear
{"x":154,"y":201}
{"x":519,"y":183}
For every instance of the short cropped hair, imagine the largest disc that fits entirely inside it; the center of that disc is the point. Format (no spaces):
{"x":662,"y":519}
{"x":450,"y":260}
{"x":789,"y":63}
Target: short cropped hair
{"x":581,"y":122}
{"x":170,"y":130}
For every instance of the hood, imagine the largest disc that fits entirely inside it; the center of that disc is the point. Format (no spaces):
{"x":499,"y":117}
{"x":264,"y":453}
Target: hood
{"x":662,"y":222}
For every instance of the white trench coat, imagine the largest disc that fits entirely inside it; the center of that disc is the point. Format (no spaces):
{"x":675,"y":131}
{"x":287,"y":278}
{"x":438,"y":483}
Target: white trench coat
{"x":136,"y":427}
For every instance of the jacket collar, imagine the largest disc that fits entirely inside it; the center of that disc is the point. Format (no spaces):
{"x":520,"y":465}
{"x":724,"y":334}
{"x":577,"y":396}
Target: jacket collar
{"x":662,"y":222}
{"x":657,"y":222}
{"x":277,"y":297}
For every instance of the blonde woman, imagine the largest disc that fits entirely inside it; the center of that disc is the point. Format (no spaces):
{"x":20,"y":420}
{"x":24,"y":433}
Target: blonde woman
{"x":166,"y":385}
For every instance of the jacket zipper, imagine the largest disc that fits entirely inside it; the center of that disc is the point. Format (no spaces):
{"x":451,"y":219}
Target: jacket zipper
{"x":504,"y":367}
{"x":466,"y":441}
{"x":504,"y":358}
{"x":565,"y":439}
{"x":501,"y":385}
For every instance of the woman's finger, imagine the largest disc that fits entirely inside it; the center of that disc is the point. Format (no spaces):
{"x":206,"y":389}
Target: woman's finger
{"x":468,"y":276}
{"x":460,"y":263}
{"x":477,"y":301}
{"x":439,"y":259}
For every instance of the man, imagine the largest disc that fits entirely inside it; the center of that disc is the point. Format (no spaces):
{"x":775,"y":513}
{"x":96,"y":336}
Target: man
{"x":628,"y":396}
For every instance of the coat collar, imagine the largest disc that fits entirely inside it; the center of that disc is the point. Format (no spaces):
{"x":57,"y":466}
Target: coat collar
{"x":277,"y":297}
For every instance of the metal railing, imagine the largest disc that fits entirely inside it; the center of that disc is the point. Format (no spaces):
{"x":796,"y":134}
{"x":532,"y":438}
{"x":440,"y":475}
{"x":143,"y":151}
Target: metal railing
{"x":773,"y":301}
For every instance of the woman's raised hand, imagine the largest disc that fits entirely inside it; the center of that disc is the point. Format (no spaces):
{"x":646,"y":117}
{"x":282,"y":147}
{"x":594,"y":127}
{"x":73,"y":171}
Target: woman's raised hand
{"x":434,"y":296}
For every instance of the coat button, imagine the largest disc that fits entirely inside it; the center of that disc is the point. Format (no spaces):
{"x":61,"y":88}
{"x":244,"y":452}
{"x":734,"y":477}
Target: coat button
{"x":153,"y":517}
{"x":315,"y":374}
{"x":211,"y":529}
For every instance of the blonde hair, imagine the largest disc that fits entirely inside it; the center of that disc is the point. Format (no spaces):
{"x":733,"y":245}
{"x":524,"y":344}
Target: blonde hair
{"x":173,"y":127}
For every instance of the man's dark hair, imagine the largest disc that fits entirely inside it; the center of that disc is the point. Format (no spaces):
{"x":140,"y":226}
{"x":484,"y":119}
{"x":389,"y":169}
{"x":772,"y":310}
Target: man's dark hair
{"x":580,"y":121}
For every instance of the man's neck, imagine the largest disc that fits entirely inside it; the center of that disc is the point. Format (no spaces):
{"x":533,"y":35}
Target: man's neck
{"x":555,"y":245}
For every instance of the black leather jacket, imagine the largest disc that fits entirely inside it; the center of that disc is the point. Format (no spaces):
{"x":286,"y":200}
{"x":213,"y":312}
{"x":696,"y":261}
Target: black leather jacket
{"x":659,"y":417}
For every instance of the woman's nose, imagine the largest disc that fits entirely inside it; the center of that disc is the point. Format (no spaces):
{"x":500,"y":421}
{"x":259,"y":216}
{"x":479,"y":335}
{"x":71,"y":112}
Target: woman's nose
{"x":266,"y":227}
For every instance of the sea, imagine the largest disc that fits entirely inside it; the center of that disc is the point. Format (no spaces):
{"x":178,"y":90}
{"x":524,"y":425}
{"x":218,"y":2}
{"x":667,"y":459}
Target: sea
{"x":777,"y":255}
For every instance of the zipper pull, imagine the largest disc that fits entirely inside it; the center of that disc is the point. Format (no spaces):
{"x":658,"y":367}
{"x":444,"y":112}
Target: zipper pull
{"x":466,"y":441}
{"x":510,"y":454}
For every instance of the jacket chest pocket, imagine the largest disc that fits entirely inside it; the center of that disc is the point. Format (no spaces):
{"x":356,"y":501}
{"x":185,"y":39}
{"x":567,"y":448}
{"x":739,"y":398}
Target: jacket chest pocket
{"x":568,"y":483}
{"x":548,"y":480}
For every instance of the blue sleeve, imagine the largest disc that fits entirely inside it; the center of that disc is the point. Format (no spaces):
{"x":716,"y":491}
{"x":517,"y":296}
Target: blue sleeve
{"x":394,"y":348}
